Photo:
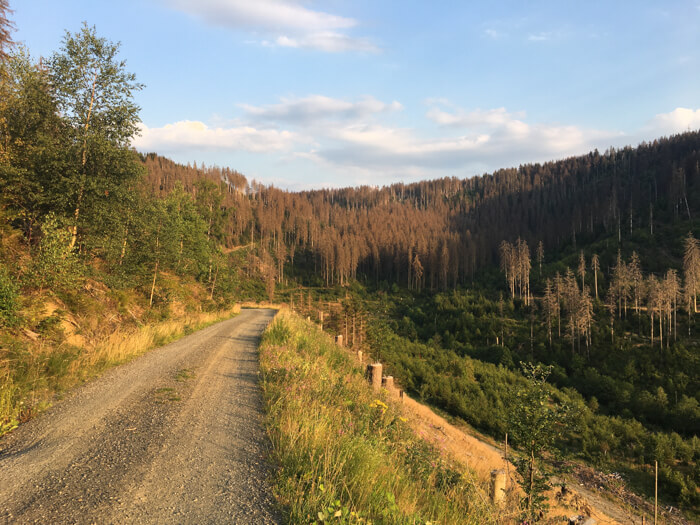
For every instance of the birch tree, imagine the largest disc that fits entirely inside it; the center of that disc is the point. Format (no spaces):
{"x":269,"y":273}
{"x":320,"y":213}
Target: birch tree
{"x":94,"y":93}
{"x":535,"y":421}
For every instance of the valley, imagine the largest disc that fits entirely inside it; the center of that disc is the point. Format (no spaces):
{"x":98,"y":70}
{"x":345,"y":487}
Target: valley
{"x":549,"y":304}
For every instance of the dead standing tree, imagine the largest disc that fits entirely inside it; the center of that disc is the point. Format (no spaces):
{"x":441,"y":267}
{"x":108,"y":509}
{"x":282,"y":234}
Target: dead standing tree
{"x":691,"y":274}
{"x":516,"y":264}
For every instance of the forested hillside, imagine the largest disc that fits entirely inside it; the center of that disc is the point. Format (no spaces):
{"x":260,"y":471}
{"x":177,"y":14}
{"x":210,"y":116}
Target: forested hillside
{"x":437,"y":234}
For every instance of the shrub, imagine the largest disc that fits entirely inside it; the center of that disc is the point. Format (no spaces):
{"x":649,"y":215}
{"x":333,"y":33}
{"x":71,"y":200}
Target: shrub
{"x":9,"y":294}
{"x":55,"y":264}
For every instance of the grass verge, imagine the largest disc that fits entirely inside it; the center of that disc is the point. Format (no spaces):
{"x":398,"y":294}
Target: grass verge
{"x":346,"y":455}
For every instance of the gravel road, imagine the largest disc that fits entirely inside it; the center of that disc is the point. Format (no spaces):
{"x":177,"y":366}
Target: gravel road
{"x":175,"y":436}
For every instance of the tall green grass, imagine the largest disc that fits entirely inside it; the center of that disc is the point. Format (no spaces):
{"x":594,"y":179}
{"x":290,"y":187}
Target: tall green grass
{"x":346,"y":455}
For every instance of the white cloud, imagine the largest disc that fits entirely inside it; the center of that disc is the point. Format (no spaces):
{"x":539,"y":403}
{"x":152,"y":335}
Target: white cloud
{"x":494,"y":33}
{"x":267,"y":14}
{"x":539,"y":37}
{"x":437,"y":101}
{"x":473,"y":142}
{"x":468,"y":142}
{"x":288,"y":23}
{"x":476,"y":118}
{"x":316,"y":108}
{"x":328,"y":41}
{"x":677,"y":121}
{"x":195,"y":135}
{"x":513,"y":142}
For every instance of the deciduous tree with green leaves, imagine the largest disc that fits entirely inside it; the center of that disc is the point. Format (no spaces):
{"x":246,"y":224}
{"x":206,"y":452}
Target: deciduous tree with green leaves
{"x":32,"y":143}
{"x":54,"y":264}
{"x":534,"y":422}
{"x":94,"y":93}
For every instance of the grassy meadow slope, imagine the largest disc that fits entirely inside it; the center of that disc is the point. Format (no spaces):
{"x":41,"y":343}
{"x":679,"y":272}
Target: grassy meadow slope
{"x":345,"y":454}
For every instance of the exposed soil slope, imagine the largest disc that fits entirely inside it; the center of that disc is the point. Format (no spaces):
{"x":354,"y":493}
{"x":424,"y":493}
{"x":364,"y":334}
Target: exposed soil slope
{"x":483,"y":458}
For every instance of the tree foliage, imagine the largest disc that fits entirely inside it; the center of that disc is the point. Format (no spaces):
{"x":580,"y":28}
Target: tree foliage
{"x":6,"y":28}
{"x":93,"y":90}
{"x":68,"y":176}
{"x":94,"y":94}
{"x":534,"y":422}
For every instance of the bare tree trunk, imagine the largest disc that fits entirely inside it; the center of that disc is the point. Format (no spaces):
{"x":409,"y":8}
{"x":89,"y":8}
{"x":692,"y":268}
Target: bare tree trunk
{"x":353,"y":330}
{"x":559,"y":325}
{"x":532,"y":483}
{"x":153,"y":286}
{"x":121,"y":256}
{"x":155,"y":271}
{"x":595,"y":278}
{"x":675,"y":321}
{"x":213,"y":284}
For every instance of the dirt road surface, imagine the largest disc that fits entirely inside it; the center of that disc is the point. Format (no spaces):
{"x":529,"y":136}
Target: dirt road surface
{"x":175,"y":436}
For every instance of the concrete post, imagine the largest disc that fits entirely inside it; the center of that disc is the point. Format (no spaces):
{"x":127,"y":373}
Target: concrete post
{"x":339,"y":340}
{"x":359,"y":356}
{"x":498,"y":486}
{"x":374,"y":371}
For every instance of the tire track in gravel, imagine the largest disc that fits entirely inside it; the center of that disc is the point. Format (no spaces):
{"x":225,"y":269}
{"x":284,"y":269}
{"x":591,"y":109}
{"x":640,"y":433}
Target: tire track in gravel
{"x":175,"y":436}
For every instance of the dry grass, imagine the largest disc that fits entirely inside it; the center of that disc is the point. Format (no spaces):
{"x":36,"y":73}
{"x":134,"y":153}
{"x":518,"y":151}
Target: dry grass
{"x":263,"y":304}
{"x":34,"y":373}
{"x":123,"y":345}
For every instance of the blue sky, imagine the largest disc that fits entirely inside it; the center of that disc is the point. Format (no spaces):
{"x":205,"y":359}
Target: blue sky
{"x":307,"y":94}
